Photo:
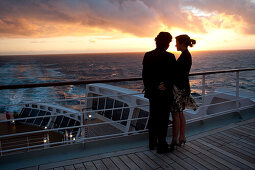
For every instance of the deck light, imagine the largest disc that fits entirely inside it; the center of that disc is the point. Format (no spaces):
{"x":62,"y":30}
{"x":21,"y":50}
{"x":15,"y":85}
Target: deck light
{"x":71,"y":135}
{"x":73,"y":138}
{"x":13,"y":121}
{"x":90,"y":116}
{"x":45,"y":127}
{"x":45,"y":140}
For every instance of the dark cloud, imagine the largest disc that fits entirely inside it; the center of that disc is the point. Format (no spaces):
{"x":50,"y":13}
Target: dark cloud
{"x":43,"y":18}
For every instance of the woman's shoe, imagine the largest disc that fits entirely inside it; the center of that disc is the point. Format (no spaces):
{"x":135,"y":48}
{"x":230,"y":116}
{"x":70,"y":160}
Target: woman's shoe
{"x":173,"y":146}
{"x":182,"y":142}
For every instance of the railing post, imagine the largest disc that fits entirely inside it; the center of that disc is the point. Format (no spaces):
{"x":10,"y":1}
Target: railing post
{"x":147,"y":120}
{"x":237,"y":84}
{"x":237,"y":92}
{"x":129,"y":121}
{"x":112,"y":107}
{"x":83,"y":129}
{"x":27,"y":144}
{"x":81,"y":114}
{"x":1,"y":148}
{"x":203,"y":88}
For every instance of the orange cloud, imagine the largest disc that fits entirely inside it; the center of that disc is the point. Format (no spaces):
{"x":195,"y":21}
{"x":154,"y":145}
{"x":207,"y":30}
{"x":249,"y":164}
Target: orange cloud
{"x":143,"y":18}
{"x":238,"y":14}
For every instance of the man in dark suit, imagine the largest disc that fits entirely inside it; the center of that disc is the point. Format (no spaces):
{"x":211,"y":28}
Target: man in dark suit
{"x":158,"y":69}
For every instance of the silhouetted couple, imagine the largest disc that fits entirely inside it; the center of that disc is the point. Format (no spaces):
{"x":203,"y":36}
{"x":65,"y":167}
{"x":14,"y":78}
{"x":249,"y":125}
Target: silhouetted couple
{"x":166,"y":85}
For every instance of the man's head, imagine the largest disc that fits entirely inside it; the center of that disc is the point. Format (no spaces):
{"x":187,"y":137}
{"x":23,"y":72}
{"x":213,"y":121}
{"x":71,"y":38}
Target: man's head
{"x":163,"y":39}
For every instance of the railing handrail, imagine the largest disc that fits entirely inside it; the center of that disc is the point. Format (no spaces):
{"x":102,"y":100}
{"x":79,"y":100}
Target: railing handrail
{"x":19,"y":86}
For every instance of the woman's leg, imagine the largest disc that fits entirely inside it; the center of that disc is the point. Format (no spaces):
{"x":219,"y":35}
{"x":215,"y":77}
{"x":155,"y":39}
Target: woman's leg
{"x":182,"y":126}
{"x":176,"y":127}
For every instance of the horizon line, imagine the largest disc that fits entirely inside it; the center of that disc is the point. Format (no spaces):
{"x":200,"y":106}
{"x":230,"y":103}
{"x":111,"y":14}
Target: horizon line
{"x":113,"y":52}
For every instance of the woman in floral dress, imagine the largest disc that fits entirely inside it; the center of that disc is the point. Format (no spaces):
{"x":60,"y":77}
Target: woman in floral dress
{"x":181,"y":90}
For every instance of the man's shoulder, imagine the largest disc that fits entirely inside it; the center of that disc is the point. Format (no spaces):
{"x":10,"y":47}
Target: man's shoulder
{"x":149,"y":55}
{"x":152,"y":52}
{"x":170,"y":54}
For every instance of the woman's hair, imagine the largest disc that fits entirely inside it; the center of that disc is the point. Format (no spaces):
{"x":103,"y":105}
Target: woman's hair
{"x":185,"y":39}
{"x":163,"y":39}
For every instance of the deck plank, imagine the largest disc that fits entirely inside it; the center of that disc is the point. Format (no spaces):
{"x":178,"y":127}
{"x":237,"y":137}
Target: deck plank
{"x":231,"y":160}
{"x":238,"y":139}
{"x":239,"y":153}
{"x":164,"y":158}
{"x":79,"y":166}
{"x":109,"y":164}
{"x":250,"y":140}
{"x":210,"y":161}
{"x":203,"y":147}
{"x":236,"y":148}
{"x":180,"y":154}
{"x":246,"y":149}
{"x":59,"y":168}
{"x":205,"y":152}
{"x":177,"y":166}
{"x":89,"y":166}
{"x":195,"y":158}
{"x":230,"y":155}
{"x":128,"y":162}
{"x":190,"y":149}
{"x":69,"y":167}
{"x":233,"y":144}
{"x":157,"y":159}
{"x":30,"y":168}
{"x":239,"y":133}
{"x":139,"y":162}
{"x":99,"y":165}
{"x":180,"y":161}
{"x":147,"y":160}
{"x":118,"y":162}
{"x":211,"y":141}
{"x":248,"y":129}
{"x":241,"y":142}
{"x":195,"y":164}
{"x":248,"y":132}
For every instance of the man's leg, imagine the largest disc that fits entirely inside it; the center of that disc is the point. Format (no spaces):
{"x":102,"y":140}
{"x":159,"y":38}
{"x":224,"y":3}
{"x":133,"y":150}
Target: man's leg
{"x":162,"y":124}
{"x":152,"y":125}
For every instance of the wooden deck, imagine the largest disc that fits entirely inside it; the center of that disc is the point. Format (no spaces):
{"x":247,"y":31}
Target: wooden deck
{"x":230,"y":147}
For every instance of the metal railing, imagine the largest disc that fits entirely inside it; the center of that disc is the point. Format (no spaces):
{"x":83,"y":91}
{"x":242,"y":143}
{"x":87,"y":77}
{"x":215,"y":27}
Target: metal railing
{"x":21,"y":141}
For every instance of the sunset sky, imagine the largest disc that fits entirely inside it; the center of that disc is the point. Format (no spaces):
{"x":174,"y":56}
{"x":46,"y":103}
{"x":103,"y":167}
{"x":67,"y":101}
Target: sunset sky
{"x":85,"y":26}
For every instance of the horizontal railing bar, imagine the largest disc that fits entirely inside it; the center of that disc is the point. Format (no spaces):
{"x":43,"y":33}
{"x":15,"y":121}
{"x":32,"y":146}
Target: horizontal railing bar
{"x":79,"y":140}
{"x":221,"y":71}
{"x":19,"y":141}
{"x":215,"y":93}
{"x":18,"y":86}
{"x":229,"y":101}
{"x":218,"y":114}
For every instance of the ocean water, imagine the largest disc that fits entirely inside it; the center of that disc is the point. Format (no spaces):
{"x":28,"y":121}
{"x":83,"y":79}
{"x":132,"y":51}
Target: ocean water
{"x":72,"y":67}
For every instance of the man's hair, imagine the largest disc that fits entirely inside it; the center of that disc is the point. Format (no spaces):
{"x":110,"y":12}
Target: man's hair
{"x":163,"y":39}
